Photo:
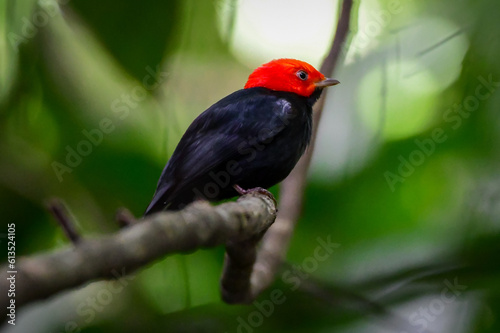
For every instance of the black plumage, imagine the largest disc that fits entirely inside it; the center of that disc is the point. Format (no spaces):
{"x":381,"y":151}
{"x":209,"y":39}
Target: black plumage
{"x":251,"y":138}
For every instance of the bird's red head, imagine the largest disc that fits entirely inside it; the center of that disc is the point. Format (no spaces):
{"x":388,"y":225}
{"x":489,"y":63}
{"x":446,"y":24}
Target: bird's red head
{"x":289,"y":75}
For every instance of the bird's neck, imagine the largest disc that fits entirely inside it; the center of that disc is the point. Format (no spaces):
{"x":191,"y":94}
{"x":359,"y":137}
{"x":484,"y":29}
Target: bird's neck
{"x":314,"y":96}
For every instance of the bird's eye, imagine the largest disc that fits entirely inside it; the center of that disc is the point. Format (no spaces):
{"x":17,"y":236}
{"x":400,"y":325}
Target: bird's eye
{"x":302,"y":75}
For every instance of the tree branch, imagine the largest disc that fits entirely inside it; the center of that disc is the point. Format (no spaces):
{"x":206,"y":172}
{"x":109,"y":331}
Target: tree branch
{"x":199,"y":225}
{"x":276,"y":241}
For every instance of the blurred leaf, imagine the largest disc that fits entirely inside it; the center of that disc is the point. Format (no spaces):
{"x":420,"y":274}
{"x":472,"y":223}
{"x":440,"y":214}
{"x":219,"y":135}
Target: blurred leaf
{"x":16,"y":29}
{"x":136,"y":34}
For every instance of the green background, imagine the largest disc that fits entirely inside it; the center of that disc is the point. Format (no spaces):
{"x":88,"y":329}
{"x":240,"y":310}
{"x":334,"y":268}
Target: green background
{"x":403,"y":182}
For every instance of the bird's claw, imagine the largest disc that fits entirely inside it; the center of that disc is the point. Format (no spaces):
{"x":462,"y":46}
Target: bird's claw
{"x":260,"y":190}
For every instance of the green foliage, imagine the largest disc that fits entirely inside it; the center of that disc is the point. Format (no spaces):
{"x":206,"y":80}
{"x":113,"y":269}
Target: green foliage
{"x":95,"y":95}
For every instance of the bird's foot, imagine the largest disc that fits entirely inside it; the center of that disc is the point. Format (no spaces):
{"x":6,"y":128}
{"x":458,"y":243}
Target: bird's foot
{"x":260,"y":190}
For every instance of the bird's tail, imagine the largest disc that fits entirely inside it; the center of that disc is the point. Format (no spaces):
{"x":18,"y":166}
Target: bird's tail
{"x":159,"y":201}
{"x":169,"y":198}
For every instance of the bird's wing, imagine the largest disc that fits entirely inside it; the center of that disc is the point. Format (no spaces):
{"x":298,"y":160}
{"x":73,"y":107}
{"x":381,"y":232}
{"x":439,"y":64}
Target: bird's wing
{"x":219,"y":135}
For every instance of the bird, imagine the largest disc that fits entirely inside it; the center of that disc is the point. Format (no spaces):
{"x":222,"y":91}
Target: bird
{"x":248,"y":140}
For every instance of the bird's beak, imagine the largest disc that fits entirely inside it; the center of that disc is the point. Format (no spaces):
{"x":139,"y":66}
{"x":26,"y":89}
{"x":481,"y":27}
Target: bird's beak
{"x":326,"y":83}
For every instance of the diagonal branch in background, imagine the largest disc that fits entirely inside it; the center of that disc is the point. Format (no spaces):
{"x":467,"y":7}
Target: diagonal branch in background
{"x":199,"y":225}
{"x":276,"y":241}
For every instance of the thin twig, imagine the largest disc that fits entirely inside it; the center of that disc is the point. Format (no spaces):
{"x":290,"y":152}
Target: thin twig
{"x":441,"y":42}
{"x":125,"y":218}
{"x":383,"y":103}
{"x":62,"y":215}
{"x":351,"y":300}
